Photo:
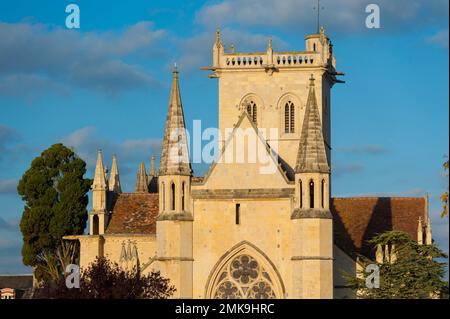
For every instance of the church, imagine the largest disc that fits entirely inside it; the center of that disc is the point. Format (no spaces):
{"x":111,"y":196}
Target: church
{"x":244,"y":231}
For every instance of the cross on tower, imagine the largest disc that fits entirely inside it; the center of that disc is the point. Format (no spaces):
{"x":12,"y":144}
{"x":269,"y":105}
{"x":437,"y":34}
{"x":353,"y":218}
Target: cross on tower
{"x":318,"y":8}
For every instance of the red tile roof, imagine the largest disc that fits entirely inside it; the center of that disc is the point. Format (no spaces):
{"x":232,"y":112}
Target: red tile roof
{"x":358,"y":219}
{"x":134,"y":213}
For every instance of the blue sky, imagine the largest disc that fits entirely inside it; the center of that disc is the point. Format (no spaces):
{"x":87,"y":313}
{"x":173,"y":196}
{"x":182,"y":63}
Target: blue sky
{"x":107,"y":85}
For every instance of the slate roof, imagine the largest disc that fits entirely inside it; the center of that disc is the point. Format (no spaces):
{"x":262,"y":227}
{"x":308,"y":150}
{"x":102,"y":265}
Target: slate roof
{"x":134,"y":213}
{"x":358,"y":219}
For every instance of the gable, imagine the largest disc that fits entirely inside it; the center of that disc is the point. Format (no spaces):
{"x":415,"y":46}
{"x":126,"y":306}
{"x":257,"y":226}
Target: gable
{"x":246,"y":161}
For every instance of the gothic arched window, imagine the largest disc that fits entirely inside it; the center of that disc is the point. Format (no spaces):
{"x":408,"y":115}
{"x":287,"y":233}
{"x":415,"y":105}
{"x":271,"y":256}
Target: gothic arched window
{"x":172,"y":196}
{"x":311,"y":194}
{"x":322,"y":193}
{"x":244,"y":278}
{"x":301,"y":193}
{"x":289,"y":117}
{"x":252,"y":111}
{"x":95,"y":225}
{"x":183,"y":195}
{"x":163,"y":190}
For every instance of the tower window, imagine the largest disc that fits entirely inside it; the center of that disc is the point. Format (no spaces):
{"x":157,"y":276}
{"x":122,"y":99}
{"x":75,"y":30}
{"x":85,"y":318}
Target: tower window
{"x":172,"y":197}
{"x":238,"y":211}
{"x":323,"y":193}
{"x":289,"y":117}
{"x":183,"y":195}
{"x":252,"y":111}
{"x":95,"y":225}
{"x":301,"y":193}
{"x":311,"y":194}
{"x":163,"y":196}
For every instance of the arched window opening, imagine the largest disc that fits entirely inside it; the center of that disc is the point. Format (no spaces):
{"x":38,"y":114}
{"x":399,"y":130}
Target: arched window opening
{"x":183,"y":192}
{"x":95,"y":225}
{"x":289,"y":117}
{"x":314,"y":47}
{"x":172,"y":197}
{"x":322,"y":193}
{"x":301,"y":194}
{"x":163,"y":196}
{"x":251,"y":110}
{"x":311,"y":194}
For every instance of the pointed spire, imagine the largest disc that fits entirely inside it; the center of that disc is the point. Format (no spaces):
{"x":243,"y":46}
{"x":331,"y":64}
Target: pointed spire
{"x":428,"y":235}
{"x":311,"y":156}
{"x":386,"y":253}
{"x":393,"y":257}
{"x":175,"y":155}
{"x":141,"y":180}
{"x":152,"y":166}
{"x":99,"y":177}
{"x":114,"y":180}
{"x":269,"y":43}
{"x":218,"y":39}
{"x":379,"y":254}
{"x":420,"y":232}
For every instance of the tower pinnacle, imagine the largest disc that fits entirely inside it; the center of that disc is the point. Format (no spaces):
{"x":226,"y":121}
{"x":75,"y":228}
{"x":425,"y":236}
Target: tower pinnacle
{"x":311,"y":153}
{"x":175,"y":155}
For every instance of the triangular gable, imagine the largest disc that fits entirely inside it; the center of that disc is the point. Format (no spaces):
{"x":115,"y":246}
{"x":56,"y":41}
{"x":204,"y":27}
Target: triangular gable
{"x":258,"y":168}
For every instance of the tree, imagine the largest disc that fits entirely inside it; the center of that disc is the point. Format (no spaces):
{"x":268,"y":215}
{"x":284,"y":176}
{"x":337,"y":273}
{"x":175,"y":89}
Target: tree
{"x":55,"y":195}
{"x":105,"y":280}
{"x":411,"y":271}
{"x":444,"y":196}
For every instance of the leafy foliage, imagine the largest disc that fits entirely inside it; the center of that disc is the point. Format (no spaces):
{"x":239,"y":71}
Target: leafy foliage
{"x":55,"y":195}
{"x":104,"y":280}
{"x":444,"y":196}
{"x":411,"y":271}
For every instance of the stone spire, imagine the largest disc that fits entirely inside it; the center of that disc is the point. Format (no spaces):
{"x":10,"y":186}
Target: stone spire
{"x":175,"y":155}
{"x":141,"y":180}
{"x":311,"y":156}
{"x":428,"y":235}
{"x":420,"y":232}
{"x":99,"y":177}
{"x":152,"y":166}
{"x":114,"y":180}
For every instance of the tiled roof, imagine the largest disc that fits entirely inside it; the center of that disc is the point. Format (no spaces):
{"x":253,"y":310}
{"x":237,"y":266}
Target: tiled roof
{"x":134,"y":213}
{"x":16,"y":281}
{"x":358,"y":219}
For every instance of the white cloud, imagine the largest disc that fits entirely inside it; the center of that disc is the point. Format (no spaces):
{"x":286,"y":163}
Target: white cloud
{"x":37,"y":57}
{"x":440,"y":38}
{"x":338,"y":15}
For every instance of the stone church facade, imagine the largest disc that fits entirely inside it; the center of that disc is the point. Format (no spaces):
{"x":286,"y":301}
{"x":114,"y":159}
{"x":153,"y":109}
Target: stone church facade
{"x":239,"y":231}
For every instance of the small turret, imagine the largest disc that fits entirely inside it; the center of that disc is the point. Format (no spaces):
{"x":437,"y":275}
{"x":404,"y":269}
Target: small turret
{"x":420,"y":232}
{"x":218,"y":49}
{"x":174,"y":223}
{"x":312,"y":219}
{"x":141,"y":180}
{"x":98,"y":216}
{"x":114,"y":180}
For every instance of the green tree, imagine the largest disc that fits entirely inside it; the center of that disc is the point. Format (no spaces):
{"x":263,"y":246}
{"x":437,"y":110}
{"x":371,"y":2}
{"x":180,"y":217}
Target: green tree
{"x":55,"y":195}
{"x":105,"y":280}
{"x":412,"y":272}
{"x":444,"y":196}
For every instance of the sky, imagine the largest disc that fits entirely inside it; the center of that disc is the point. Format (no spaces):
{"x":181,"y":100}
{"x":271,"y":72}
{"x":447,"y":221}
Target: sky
{"x":106,"y":85}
